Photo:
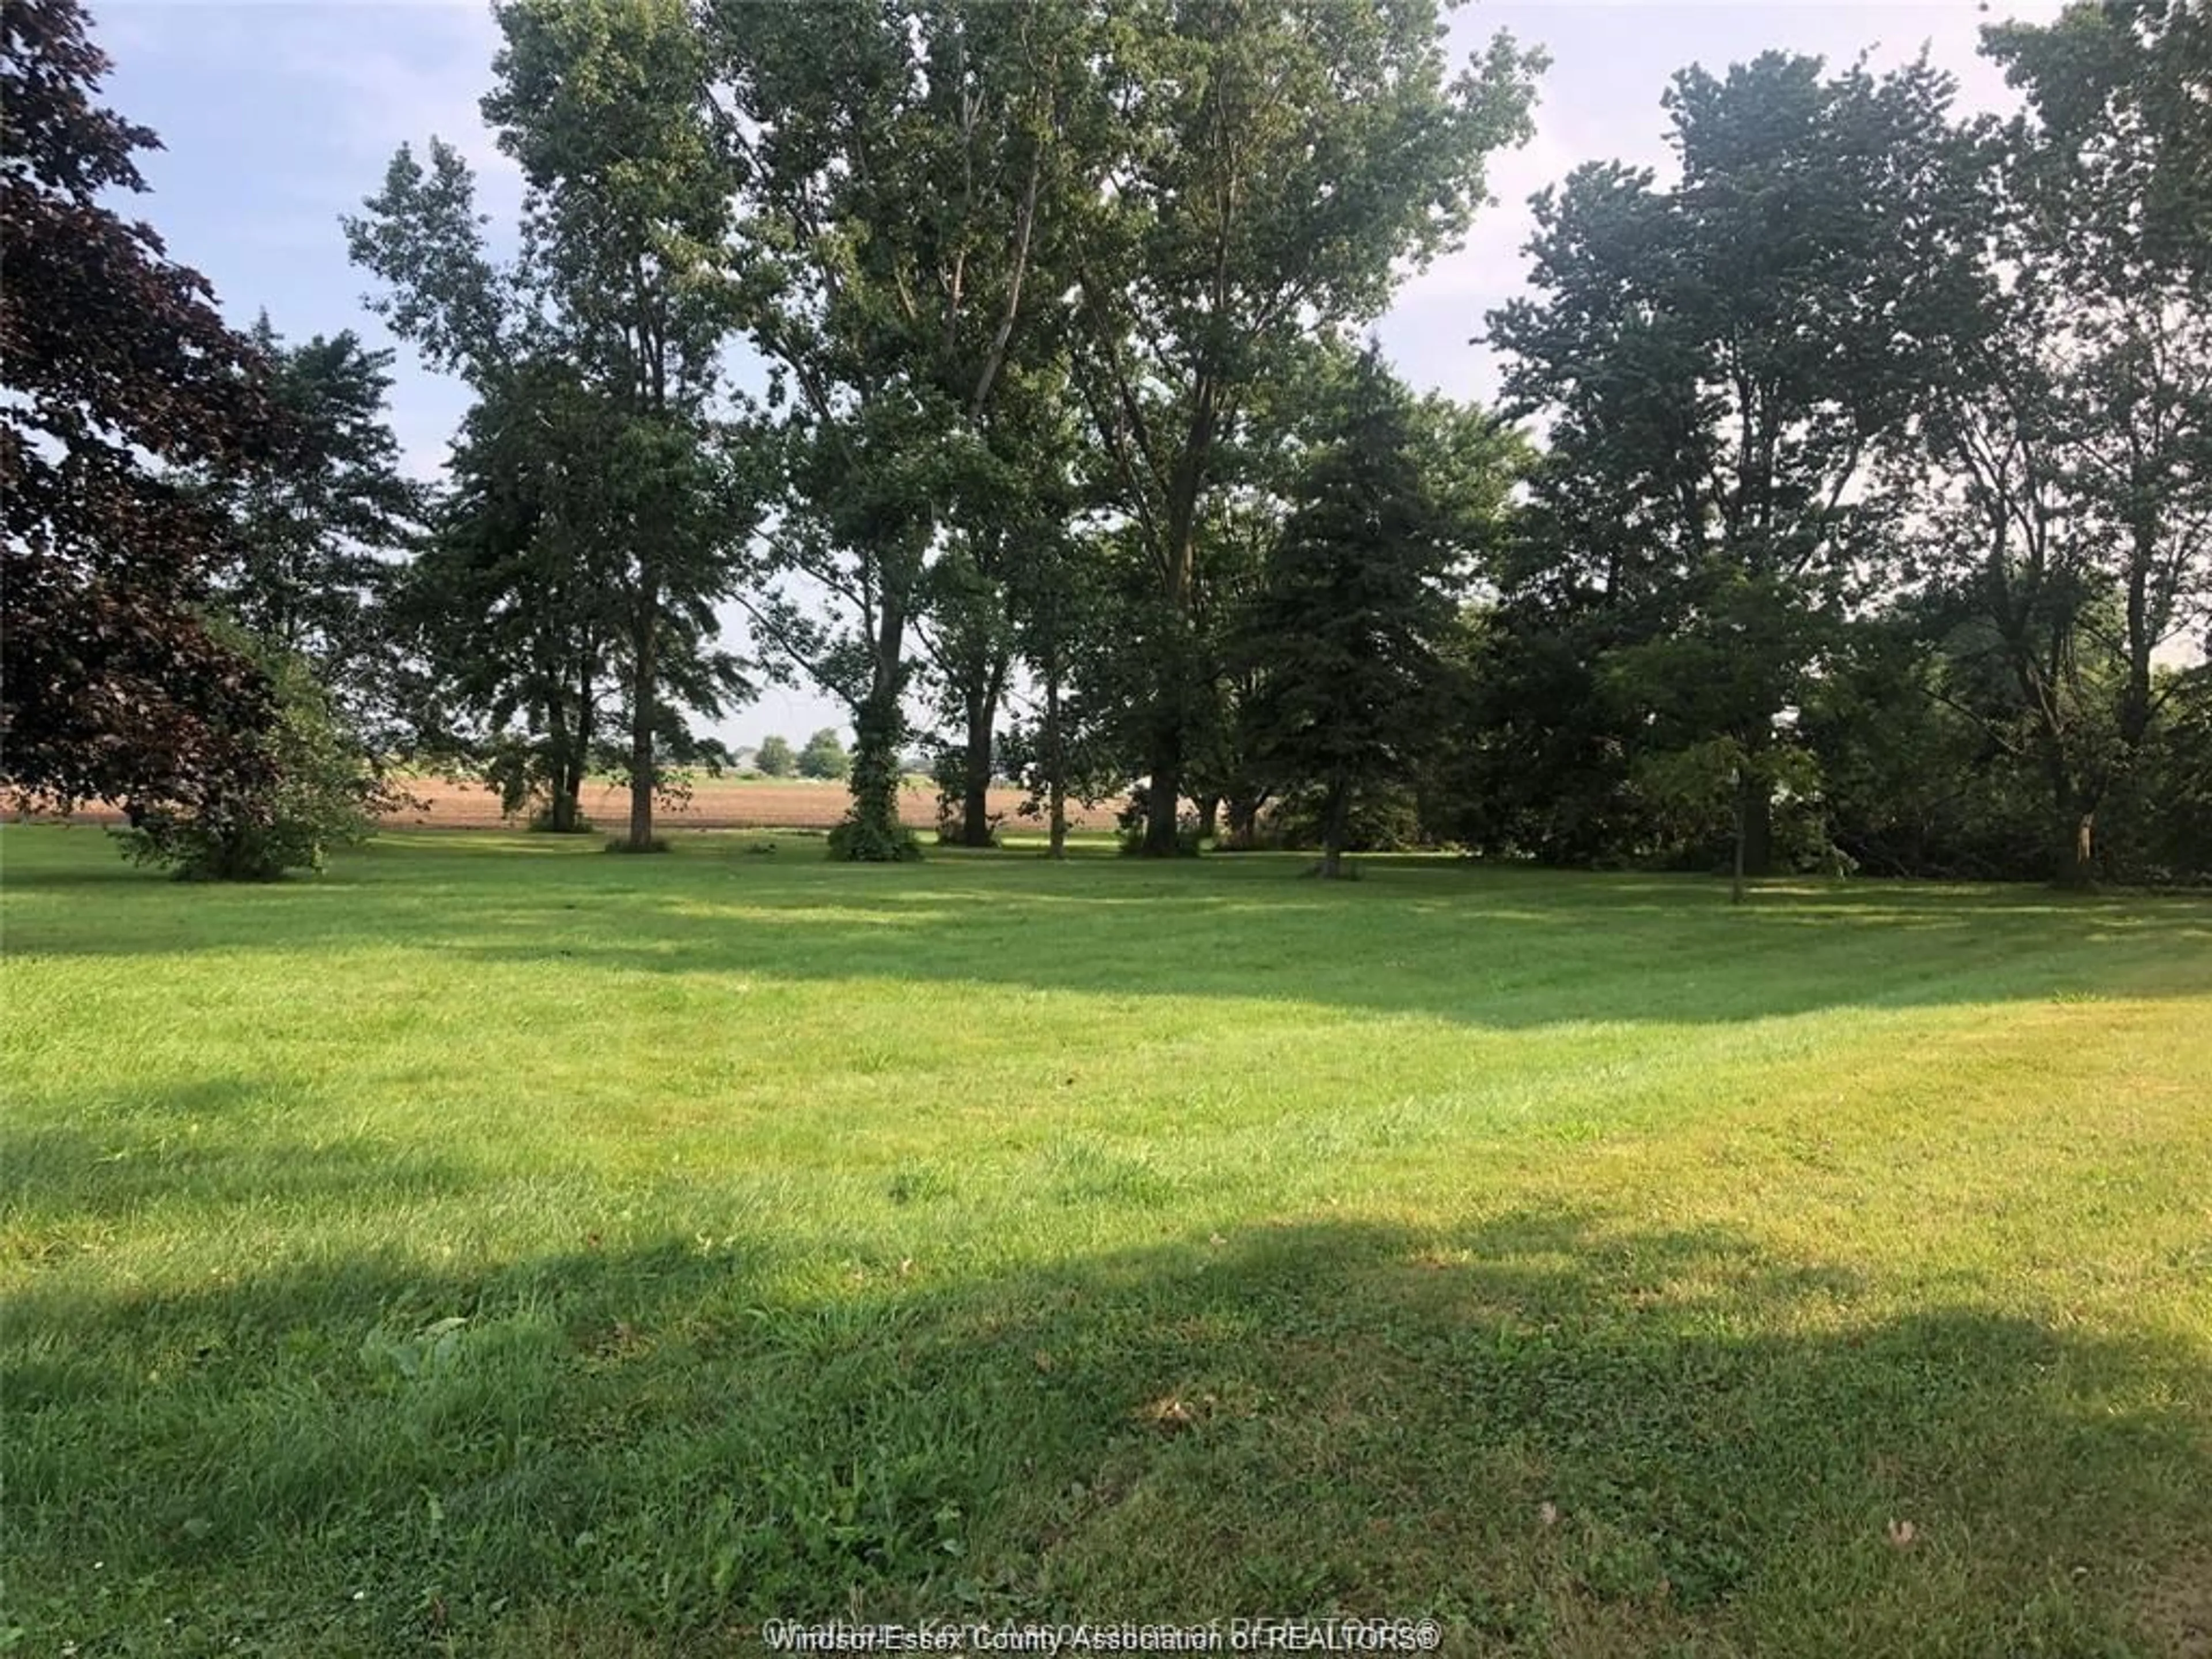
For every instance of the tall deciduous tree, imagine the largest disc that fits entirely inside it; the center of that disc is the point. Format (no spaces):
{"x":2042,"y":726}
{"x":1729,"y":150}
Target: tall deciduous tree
{"x":2073,"y":433}
{"x":628,"y":210}
{"x":512,"y":607}
{"x":508,"y":613}
{"x":1013,"y":552}
{"x":902,"y":169}
{"x":113,"y":360}
{"x":1276,"y":169}
{"x":2119,"y":152}
{"x":625,"y":218}
{"x":1722,"y":364}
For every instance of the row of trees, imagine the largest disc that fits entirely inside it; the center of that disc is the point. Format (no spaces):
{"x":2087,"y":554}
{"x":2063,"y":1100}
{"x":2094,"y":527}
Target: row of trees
{"x":1878,"y":477}
{"x":1001,"y":362}
{"x":824,"y":757}
{"x":1045,"y":303}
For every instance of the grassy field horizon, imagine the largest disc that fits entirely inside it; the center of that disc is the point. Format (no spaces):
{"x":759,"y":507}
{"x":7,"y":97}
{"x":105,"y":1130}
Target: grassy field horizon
{"x":496,"y":1247}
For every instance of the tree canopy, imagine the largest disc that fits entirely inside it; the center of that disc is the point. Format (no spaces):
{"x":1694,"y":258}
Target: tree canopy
{"x":1847,"y":500}
{"x":119,"y":375}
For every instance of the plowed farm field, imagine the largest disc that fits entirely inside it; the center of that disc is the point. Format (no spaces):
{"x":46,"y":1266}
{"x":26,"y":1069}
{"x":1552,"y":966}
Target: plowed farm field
{"x":714,"y":803}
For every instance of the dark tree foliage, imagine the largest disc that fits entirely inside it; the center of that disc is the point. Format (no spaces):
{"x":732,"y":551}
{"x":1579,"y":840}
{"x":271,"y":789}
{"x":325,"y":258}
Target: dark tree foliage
{"x":1535,"y":760}
{"x":313,"y":540}
{"x":627,"y":205}
{"x":511,"y":607}
{"x":999,"y":584}
{"x":1285,"y":165}
{"x":2162,"y":822}
{"x":113,"y":359}
{"x":598,"y":356}
{"x":1722,"y":362}
{"x":1345,"y":628}
{"x":2123,"y":124}
{"x":2066,"y":505}
{"x":322,"y":791}
{"x":1910,"y":785}
{"x":903,"y":171}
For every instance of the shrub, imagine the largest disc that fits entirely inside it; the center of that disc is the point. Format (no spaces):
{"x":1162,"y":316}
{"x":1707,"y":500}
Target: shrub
{"x":860,"y":843}
{"x":326,"y":791}
{"x":1129,"y":823}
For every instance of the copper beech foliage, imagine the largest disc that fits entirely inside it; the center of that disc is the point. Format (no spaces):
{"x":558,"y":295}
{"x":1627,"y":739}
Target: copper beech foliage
{"x":117,"y":373}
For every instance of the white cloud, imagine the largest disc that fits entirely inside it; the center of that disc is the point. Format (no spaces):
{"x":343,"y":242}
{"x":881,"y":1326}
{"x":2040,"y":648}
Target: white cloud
{"x":411,"y":87}
{"x":1601,"y":101}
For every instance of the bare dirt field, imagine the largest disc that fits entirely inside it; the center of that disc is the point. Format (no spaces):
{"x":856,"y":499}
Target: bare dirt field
{"x":714,"y":803}
{"x":719,"y":804}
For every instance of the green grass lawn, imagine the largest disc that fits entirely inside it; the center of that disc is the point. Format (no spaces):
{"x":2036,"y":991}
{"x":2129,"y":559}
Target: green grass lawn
{"x":499,"y":1248}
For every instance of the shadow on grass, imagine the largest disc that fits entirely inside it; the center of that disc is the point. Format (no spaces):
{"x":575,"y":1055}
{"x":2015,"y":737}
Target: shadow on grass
{"x":1551,"y":1433}
{"x":1497,"y":948}
{"x":58,"y":1181}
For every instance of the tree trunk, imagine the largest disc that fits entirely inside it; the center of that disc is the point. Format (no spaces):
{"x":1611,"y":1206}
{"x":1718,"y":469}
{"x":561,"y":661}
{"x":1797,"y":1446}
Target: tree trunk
{"x":576,"y":763}
{"x":564,"y":810}
{"x":2142,"y":633}
{"x":982,"y":707}
{"x":2076,"y":798}
{"x":1754,"y":823}
{"x":1335,"y":823}
{"x":1170,"y":715}
{"x":644,"y":675}
{"x":877,"y":836}
{"x":1742,"y":800}
{"x":640,"y":769}
{"x":872,"y":833}
{"x":1164,"y":786}
{"x":1209,"y":816}
{"x":560,"y":782}
{"x":2077,"y":865}
{"x":1055,"y":760}
{"x":1244,"y":820}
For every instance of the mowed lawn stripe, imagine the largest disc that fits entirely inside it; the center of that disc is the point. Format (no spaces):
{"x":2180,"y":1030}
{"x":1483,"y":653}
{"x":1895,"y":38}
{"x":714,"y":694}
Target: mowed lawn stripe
{"x":502,"y":1246}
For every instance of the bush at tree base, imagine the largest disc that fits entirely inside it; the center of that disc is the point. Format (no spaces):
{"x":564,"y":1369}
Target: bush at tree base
{"x":324,"y":792}
{"x":1129,"y":828}
{"x":856,"y":842}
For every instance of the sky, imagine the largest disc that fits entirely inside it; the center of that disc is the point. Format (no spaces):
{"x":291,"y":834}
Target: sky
{"x":278,"y":117}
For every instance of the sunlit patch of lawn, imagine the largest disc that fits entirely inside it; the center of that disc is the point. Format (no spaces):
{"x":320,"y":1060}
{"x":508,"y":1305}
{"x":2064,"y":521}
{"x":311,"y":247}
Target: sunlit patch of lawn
{"x":499,"y":1247}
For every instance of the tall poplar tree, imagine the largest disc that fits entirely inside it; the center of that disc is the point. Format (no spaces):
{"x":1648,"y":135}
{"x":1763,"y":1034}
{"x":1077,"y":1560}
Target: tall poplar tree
{"x":1277,"y":171}
{"x":903,"y":173}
